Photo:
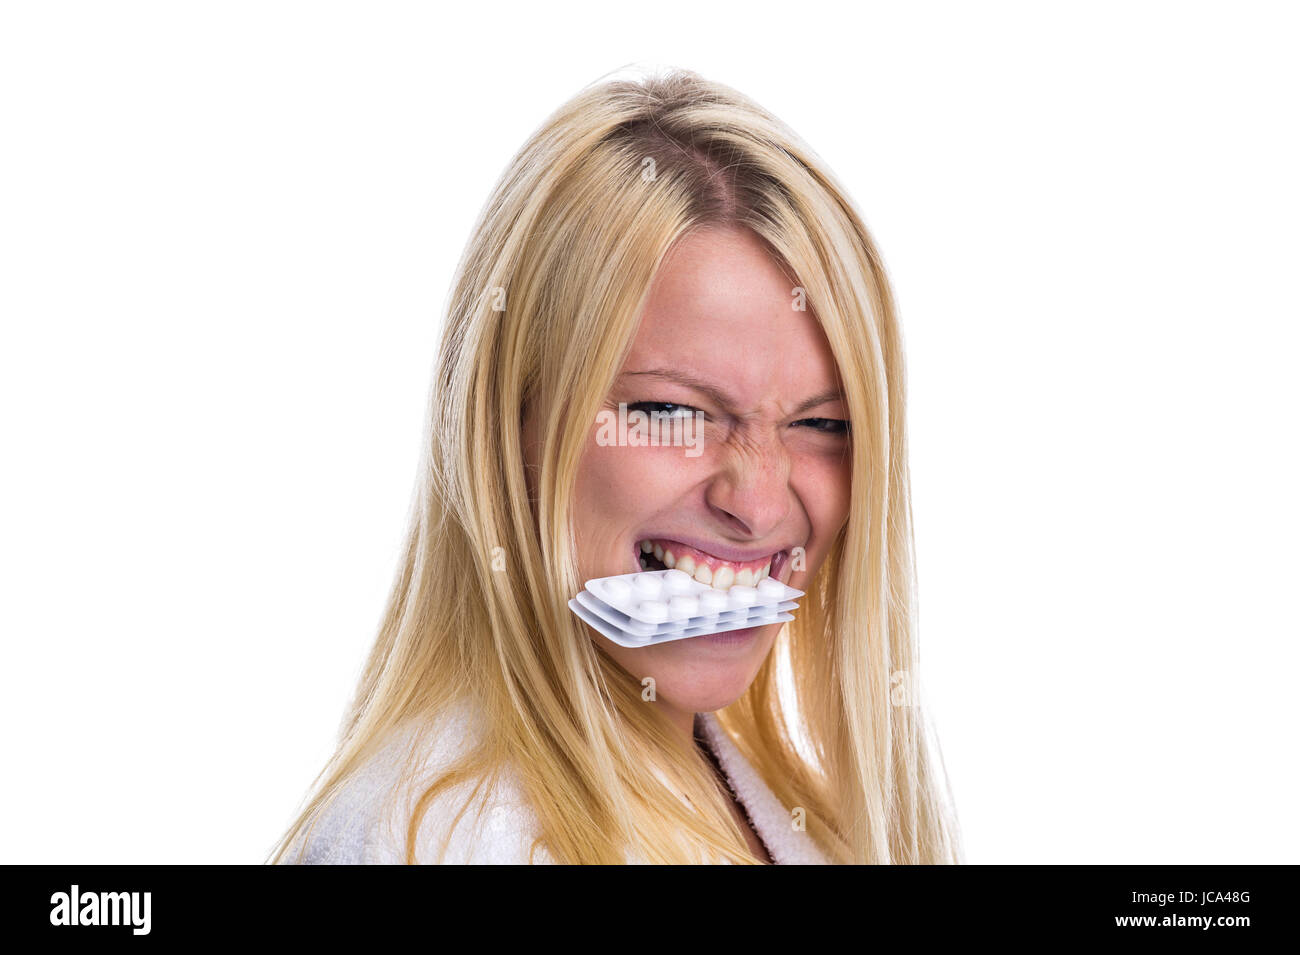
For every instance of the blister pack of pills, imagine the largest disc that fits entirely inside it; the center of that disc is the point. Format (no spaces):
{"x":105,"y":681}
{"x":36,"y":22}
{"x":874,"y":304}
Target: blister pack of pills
{"x":656,"y":606}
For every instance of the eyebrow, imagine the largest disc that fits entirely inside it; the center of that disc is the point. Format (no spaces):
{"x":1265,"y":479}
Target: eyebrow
{"x":702,"y":386}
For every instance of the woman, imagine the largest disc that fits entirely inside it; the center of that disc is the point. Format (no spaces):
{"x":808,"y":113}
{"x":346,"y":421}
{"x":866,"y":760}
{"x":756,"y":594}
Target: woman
{"x":669,"y":248}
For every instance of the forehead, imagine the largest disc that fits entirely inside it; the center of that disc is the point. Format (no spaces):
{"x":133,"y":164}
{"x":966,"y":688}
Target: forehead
{"x":721,"y":309}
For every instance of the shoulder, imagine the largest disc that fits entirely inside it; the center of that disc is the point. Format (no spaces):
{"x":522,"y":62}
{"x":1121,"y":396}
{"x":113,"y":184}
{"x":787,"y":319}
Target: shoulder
{"x":367,"y":821}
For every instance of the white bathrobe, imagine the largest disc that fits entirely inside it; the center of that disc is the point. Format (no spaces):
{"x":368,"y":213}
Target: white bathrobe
{"x":366,"y":824}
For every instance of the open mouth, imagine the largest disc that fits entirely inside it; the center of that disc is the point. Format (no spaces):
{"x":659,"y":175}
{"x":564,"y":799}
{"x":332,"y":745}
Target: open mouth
{"x":663,"y":554}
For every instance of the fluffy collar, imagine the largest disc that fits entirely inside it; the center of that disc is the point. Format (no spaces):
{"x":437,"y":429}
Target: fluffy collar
{"x":773,"y":822}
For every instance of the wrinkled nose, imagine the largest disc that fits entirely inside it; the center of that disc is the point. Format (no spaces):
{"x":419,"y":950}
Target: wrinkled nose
{"x":750,"y":492}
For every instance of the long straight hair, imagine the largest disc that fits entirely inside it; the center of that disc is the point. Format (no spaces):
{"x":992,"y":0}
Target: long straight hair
{"x":543,"y":309}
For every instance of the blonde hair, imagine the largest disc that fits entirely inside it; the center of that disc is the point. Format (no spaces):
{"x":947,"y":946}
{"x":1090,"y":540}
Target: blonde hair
{"x":569,"y":241}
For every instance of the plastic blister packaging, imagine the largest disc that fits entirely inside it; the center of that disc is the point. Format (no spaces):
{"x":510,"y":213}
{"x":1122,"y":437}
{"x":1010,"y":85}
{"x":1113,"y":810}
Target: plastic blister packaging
{"x":656,"y":606}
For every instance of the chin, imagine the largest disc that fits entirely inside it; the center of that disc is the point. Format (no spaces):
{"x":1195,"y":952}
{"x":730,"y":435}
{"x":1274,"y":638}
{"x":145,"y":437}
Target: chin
{"x":702,"y":674}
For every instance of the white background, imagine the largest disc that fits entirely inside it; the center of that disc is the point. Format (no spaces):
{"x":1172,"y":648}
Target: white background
{"x":227,"y":231}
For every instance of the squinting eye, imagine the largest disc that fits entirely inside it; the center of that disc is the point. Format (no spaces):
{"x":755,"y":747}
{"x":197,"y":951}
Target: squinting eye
{"x":662,"y":408}
{"x":827,"y":425}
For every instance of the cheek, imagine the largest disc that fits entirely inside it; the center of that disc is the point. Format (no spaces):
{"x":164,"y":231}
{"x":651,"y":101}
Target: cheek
{"x":617,"y":490}
{"x":606,"y":481}
{"x":628,"y":483}
{"x":841,"y":492}
{"x":825,"y":491}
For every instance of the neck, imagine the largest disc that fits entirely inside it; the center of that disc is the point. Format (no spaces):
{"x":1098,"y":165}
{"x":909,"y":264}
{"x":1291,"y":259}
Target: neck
{"x":683,"y":721}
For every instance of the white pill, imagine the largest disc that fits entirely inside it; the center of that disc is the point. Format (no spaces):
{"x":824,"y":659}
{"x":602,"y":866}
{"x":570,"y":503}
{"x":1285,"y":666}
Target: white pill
{"x":742,"y":596}
{"x":648,"y":585}
{"x":616,"y":588}
{"x":713,"y":601}
{"x":681,"y":607}
{"x":653,"y":611}
{"x":678,"y":581}
{"x":770,"y":589}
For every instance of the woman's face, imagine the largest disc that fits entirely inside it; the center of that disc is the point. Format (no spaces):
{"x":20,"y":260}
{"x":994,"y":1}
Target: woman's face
{"x":766,"y":473}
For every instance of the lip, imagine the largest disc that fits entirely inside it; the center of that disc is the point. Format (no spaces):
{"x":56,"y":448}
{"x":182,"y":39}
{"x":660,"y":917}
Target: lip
{"x":780,"y":557}
{"x":730,"y":638}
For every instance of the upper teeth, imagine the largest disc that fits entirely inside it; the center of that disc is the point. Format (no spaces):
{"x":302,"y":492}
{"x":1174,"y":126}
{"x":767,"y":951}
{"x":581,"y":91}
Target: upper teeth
{"x":727,"y":575}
